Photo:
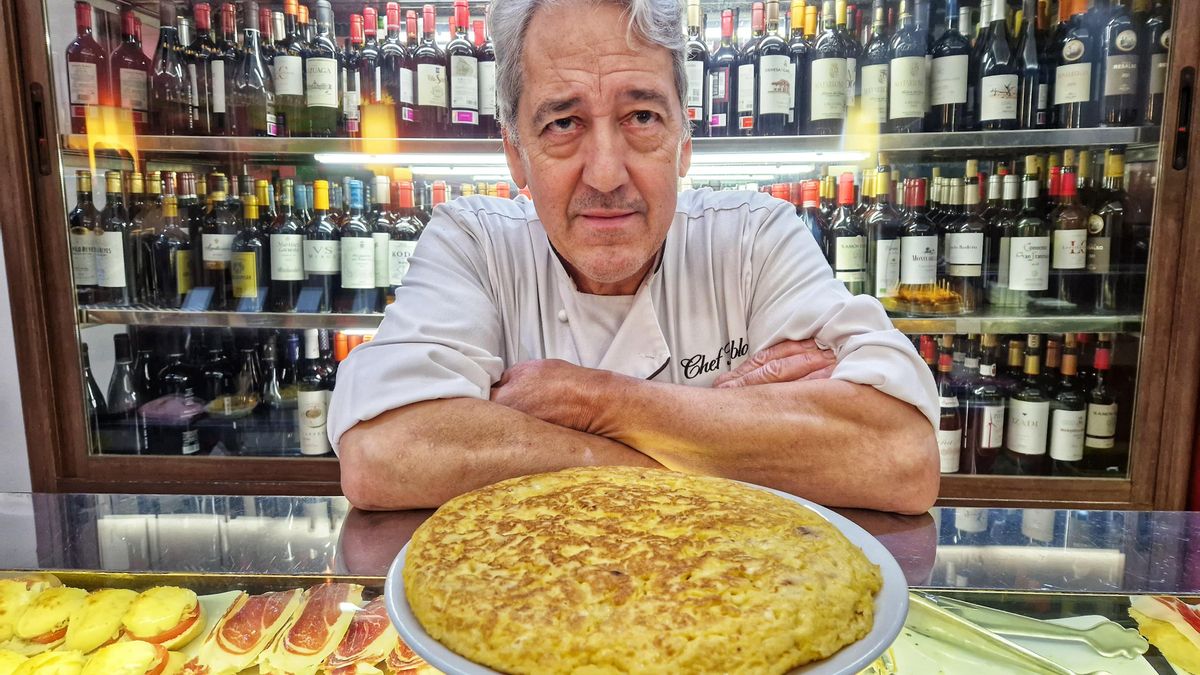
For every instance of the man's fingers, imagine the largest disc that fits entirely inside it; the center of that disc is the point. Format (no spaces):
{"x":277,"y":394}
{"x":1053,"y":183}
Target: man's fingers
{"x":822,"y":374}
{"x":788,"y":369}
{"x":761,"y":358}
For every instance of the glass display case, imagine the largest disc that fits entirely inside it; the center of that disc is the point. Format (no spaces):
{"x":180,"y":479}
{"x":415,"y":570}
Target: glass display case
{"x":226,"y":196}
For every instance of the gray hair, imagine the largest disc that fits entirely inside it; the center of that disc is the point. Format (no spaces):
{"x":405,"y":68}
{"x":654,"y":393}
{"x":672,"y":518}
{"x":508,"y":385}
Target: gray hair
{"x":655,"y":22}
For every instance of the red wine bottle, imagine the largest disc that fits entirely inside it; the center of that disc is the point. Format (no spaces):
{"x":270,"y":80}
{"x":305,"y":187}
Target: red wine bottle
{"x":87,"y":70}
{"x":463,"y":72}
{"x":432,"y":104}
{"x":722,"y":81}
{"x":170,"y":90}
{"x":130,"y":72}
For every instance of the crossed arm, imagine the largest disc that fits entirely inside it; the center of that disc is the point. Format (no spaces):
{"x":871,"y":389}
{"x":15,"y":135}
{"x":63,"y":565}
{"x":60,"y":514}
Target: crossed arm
{"x":777,"y":421}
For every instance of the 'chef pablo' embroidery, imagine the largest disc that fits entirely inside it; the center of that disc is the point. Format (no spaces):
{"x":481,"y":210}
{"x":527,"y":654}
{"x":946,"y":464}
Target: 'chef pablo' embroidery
{"x":699,"y":364}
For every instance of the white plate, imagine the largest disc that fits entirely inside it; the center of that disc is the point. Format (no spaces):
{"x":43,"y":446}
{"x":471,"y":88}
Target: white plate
{"x":891,"y":608}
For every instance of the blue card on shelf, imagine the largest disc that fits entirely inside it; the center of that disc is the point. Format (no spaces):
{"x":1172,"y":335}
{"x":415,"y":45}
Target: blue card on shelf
{"x":309,"y":301}
{"x":198,"y":299}
{"x":254,"y":304}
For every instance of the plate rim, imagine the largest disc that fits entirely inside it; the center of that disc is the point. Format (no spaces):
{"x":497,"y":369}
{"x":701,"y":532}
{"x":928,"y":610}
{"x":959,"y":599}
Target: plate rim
{"x":891,"y":607}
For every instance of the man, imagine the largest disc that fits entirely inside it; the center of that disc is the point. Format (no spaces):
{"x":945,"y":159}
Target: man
{"x":614,"y":321}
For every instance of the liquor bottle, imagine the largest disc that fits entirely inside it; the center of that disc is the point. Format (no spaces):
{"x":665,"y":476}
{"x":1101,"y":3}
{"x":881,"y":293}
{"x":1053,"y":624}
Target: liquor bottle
{"x":277,"y":397}
{"x":1106,"y":231}
{"x":322,"y":250}
{"x":966,"y":248}
{"x":1051,"y":363}
{"x":114,"y":247}
{"x":289,"y":74}
{"x":1101,"y":433}
{"x":216,"y":249}
{"x":908,"y":80}
{"x":1068,"y":418}
{"x":853,"y":50}
{"x":950,"y":425}
{"x":358,"y":293}
{"x":811,"y":217}
{"x":406,"y":230}
{"x":884,"y":225}
{"x":170,"y":91}
{"x":876,"y":57}
{"x":350,"y":118}
{"x":143,"y":230}
{"x":1117,"y":67}
{"x":948,"y":76}
{"x":920,"y":253}
{"x":998,"y":85}
{"x":252,"y":92}
{"x":432,"y":113}
{"x":87,"y":70}
{"x":1028,"y":249}
{"x":1028,"y":422}
{"x":845,"y":240}
{"x":199,"y":71}
{"x":286,"y":253}
{"x":747,"y":87}
{"x":130,"y":73}
{"x":271,"y":30}
{"x":1033,"y":107}
{"x":370,"y":80}
{"x":122,"y":402}
{"x":172,"y":258}
{"x":322,"y":92}
{"x":798,"y":52}
{"x":312,"y":396}
{"x":866,"y":197}
{"x":489,"y":114}
{"x":1086,"y":188}
{"x":306,"y":26}
{"x":1156,"y":47}
{"x":1069,"y":257}
{"x":249,"y":267}
{"x":1074,"y":105}
{"x":722,"y":81}
{"x":696,"y":70}
{"x":84,"y":223}
{"x":216,"y":372}
{"x":774,"y":77}
{"x":463,"y":75}
{"x":381,"y":224}
{"x":983,"y":435}
{"x":827,"y":78}
{"x":222,"y":63}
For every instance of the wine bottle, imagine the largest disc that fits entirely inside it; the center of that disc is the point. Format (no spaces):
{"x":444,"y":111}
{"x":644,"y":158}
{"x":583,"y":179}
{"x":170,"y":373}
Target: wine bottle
{"x":199,"y":71}
{"x":948,"y":76}
{"x":908,"y":81}
{"x":84,"y":222}
{"x":322,"y":63}
{"x":998,"y":86}
{"x":1028,"y":421}
{"x":312,"y":395}
{"x":920,"y":253}
{"x":192,"y":211}
{"x":370,"y":76}
{"x":798,"y":52}
{"x":170,"y":107}
{"x":1117,"y":68}
{"x":827,"y":78}
{"x":1100,"y":435}
{"x":359,"y":294}
{"x":1074,"y":106}
{"x":114,"y":247}
{"x":747,"y":87}
{"x":846,"y":241}
{"x":1106,"y":232}
{"x":723,"y":81}
{"x":1033,"y":107}
{"x":122,"y":402}
{"x":489,"y":115}
{"x":1028,"y":249}
{"x":289,"y":74}
{"x":381,"y":224}
{"x":143,"y":229}
{"x":873,"y":79}
{"x":1068,"y":417}
{"x":249,"y":268}
{"x":172,"y":258}
{"x":853,"y":51}
{"x":286,"y":253}
{"x":884,"y":226}
{"x":130,"y":75}
{"x":1156,"y":47}
{"x":222,"y":63}
{"x":351,"y":120}
{"x":216,"y":373}
{"x":432,"y":112}
{"x":950,"y":424}
{"x":93,"y":403}
{"x":966,"y":247}
{"x":811,"y":217}
{"x":774,"y":77}
{"x":216,"y":250}
{"x":464,"y":76}
{"x":1069,"y":257}
{"x":87,"y":71}
{"x":322,"y":250}
{"x":983,"y":436}
{"x":406,"y":229}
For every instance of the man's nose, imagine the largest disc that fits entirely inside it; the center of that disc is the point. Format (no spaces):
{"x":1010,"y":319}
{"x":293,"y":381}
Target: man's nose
{"x":604,"y":161}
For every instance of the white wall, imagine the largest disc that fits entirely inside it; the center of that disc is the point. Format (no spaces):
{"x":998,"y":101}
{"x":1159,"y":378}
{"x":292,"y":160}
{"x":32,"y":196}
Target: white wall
{"x":14,"y":459}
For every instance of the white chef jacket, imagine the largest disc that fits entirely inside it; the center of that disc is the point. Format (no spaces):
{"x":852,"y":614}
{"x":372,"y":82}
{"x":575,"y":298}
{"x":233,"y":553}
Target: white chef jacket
{"x":738,"y":272}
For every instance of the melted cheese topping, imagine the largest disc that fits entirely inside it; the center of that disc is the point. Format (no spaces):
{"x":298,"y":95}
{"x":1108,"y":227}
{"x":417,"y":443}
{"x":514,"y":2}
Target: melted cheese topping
{"x":50,"y":611}
{"x":52,"y":663}
{"x":158,"y":610}
{"x":98,"y":619}
{"x":15,"y":595}
{"x":123,"y":658}
{"x":10,"y":660}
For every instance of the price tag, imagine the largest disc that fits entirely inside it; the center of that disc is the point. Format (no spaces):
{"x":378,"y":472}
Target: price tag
{"x":254,"y":304}
{"x":309,"y":300}
{"x":198,"y":299}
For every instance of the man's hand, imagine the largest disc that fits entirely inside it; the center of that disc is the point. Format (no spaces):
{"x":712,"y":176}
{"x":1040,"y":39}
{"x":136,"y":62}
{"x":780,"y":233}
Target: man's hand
{"x":551,"y":390}
{"x":788,"y":361}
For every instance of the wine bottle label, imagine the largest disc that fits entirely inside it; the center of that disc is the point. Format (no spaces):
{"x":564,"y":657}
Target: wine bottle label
{"x":320,"y":81}
{"x":134,"y":89}
{"x":407,"y":78}
{"x":998,"y":98}
{"x":85,"y":90}
{"x":287,"y":257}
{"x":850,"y":255}
{"x":949,"y":449}
{"x":1038,"y":524}
{"x":945,"y":402}
{"x":1027,"y":422}
{"x":918,"y":260}
{"x":1043,"y":104}
{"x":948,"y":81}
{"x":351,"y":109}
{"x":1099,"y":253}
{"x":791,"y":75}
{"x":289,"y":75}
{"x":1158,"y":73}
{"x":827,"y":88}
{"x":851,"y":81}
{"x":719,"y":85}
{"x":190,"y":441}
{"x":400,"y":252}
{"x":887,"y":267}
{"x":431,"y":85}
{"x":718,"y":121}
{"x":110,"y":260}
{"x":991,"y":426}
{"x":1002,"y":265}
{"x":1121,"y":74}
{"x":908,"y":88}
{"x":183,"y":271}
{"x":464,"y":90}
{"x":322,"y":256}
{"x":971,"y":521}
{"x":1101,"y":425}
{"x":382,"y":241}
{"x":695,"y":84}
{"x":1066,"y":434}
{"x":487,"y":88}
{"x":1070,"y":250}
{"x":244,"y":271}
{"x":745,"y":93}
{"x":193,"y":87}
{"x":358,"y":262}
{"x":377,"y":92}
{"x":774,"y":85}
{"x":312,"y":411}
{"x":964,"y":254}
{"x":874,"y":93}
{"x":216,"y":248}
{"x":217,"y":82}
{"x":83,"y":258}
{"x":1029,"y":263}
{"x":1073,"y":83}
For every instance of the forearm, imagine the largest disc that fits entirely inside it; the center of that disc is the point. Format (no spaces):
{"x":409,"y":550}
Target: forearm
{"x":837,"y":443}
{"x":424,"y":454}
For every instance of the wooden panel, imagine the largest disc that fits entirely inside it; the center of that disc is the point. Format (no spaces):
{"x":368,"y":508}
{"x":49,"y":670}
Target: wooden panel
{"x":1014,"y":491}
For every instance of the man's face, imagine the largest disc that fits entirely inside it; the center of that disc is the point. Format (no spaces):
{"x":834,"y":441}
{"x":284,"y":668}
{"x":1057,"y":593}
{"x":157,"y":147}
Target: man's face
{"x":600,"y":143}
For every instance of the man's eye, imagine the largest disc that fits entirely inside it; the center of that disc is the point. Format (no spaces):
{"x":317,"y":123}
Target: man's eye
{"x":562,"y":124}
{"x":645,"y":117}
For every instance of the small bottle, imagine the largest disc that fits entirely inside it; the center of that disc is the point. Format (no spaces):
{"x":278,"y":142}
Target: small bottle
{"x":312,"y":398}
{"x":950,"y":427}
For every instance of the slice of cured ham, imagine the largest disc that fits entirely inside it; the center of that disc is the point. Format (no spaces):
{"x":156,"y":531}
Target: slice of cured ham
{"x":245,"y":630}
{"x":367,"y":641}
{"x":1171,"y":625}
{"x":314,"y":632}
{"x":404,"y":661}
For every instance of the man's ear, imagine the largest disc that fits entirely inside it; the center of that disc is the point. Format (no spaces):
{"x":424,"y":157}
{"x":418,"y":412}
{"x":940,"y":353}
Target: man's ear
{"x":516,"y":165}
{"x":685,"y":157}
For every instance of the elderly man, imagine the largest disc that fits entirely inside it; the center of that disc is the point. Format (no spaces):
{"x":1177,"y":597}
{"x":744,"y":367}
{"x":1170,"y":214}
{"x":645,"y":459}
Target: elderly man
{"x":612,"y":320}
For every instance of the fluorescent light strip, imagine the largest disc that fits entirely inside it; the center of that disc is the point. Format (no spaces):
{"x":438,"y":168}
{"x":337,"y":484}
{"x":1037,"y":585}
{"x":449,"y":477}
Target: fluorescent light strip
{"x":497,"y":161}
{"x":445,"y":158}
{"x":777,"y":158}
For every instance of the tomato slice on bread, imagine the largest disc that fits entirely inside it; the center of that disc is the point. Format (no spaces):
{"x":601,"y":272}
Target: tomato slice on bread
{"x":180,"y":628}
{"x":50,"y":638}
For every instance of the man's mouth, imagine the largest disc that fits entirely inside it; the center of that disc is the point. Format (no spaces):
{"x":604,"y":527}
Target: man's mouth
{"x":603,"y":219}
